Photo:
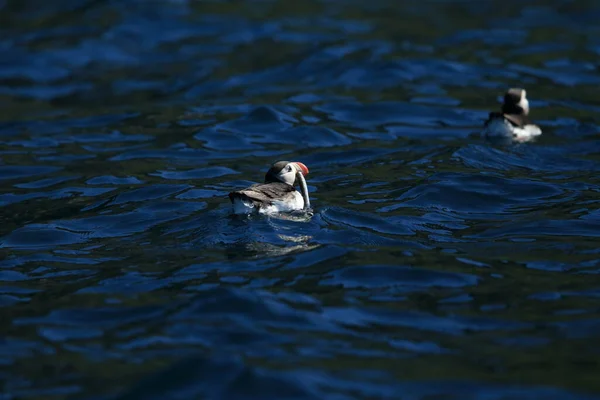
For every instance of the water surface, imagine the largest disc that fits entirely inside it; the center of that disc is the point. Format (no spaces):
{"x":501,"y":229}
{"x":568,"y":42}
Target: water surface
{"x":436,"y":265}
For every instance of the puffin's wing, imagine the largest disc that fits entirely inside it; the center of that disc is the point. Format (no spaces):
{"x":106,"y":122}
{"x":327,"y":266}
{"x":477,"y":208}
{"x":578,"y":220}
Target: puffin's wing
{"x":491,"y":117}
{"x":263,"y":193}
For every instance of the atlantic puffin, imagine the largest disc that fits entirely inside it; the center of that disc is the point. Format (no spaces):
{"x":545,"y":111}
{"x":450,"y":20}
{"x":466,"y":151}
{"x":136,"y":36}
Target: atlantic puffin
{"x":277,"y":194}
{"x":512,"y":121}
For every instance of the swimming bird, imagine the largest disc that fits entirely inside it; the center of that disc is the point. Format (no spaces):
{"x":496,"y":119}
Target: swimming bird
{"x":512,"y":120}
{"x":277,"y":194}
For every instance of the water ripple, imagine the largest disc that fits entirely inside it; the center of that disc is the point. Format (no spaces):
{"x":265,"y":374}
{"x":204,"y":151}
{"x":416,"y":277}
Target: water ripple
{"x":434,"y":263}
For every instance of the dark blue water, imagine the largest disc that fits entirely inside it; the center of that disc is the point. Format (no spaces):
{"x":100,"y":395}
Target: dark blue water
{"x":436,"y":265}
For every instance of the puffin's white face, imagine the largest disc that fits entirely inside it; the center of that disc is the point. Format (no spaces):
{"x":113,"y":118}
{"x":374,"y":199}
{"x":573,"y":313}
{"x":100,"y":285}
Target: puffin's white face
{"x":524,"y":103}
{"x":288,"y":173}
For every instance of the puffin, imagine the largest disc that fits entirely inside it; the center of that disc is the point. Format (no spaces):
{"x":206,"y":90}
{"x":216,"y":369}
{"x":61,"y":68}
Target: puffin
{"x":512,"y":121}
{"x":277,"y":193}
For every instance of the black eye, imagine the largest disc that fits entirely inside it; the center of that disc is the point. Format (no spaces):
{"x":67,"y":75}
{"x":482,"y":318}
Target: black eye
{"x":289,"y":168}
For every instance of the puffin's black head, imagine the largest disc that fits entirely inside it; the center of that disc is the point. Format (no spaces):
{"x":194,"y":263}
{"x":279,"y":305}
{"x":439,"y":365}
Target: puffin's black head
{"x":515,"y":102}
{"x":285,"y":171}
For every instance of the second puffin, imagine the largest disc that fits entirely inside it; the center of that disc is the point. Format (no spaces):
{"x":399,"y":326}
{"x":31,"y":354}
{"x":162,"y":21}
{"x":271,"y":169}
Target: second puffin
{"x":512,"y":121}
{"x":277,"y":194}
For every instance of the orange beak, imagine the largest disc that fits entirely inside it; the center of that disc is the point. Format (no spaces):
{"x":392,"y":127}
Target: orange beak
{"x":302,"y":168}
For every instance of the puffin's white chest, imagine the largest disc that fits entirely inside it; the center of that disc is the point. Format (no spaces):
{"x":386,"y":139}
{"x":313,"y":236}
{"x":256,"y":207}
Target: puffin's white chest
{"x":292,"y":201}
{"x":499,"y":127}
